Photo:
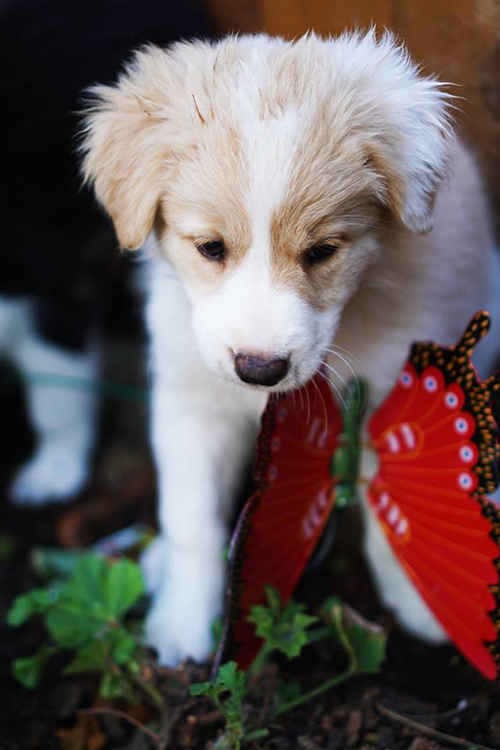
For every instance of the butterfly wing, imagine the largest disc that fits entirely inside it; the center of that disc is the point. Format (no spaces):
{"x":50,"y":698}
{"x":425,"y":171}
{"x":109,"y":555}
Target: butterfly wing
{"x":438,"y":451}
{"x":282,"y":522}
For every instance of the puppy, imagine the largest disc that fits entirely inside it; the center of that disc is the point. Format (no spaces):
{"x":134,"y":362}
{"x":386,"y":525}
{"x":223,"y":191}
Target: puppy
{"x":289,"y":197}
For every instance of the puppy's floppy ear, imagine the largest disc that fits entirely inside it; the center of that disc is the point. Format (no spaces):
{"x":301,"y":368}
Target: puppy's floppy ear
{"x":411,"y":147}
{"x":410,"y":175}
{"x":124,"y":152}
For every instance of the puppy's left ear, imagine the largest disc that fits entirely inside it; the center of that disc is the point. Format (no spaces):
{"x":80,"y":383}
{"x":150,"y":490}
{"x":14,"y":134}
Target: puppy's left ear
{"x":124,"y":153}
{"x":411,"y":148}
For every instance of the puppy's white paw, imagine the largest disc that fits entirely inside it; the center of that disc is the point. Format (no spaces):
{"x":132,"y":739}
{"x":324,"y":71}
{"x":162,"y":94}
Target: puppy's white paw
{"x":55,"y":474}
{"x":187,"y":597}
{"x":178,"y":629}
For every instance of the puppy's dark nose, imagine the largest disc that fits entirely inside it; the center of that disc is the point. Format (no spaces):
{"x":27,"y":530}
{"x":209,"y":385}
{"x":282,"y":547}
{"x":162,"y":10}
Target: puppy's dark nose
{"x":260,"y":370}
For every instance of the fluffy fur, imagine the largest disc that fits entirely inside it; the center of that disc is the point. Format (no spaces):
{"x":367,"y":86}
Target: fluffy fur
{"x":273,"y":148}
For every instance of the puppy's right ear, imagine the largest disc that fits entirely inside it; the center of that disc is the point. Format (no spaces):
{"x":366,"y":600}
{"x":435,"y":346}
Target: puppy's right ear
{"x":124,"y":154}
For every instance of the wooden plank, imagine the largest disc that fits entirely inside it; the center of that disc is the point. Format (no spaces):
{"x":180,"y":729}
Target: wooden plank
{"x":244,"y":16}
{"x":292,"y":18}
{"x":459,"y":40}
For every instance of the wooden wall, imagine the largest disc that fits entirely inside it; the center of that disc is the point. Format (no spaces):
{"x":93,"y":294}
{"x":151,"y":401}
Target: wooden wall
{"x":458,"y":39}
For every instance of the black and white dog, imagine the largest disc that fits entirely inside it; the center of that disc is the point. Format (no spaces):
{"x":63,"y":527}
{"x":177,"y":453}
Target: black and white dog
{"x":54,"y":237}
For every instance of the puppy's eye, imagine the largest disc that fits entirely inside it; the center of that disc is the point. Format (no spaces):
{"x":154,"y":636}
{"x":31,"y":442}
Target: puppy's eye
{"x":320,"y":253}
{"x":212,"y":249}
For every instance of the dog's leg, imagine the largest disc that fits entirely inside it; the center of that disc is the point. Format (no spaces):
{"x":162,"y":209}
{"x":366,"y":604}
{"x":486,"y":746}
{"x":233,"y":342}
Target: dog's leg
{"x":202,"y":430}
{"x":200,"y":440}
{"x":395,"y":588}
{"x":62,"y":416}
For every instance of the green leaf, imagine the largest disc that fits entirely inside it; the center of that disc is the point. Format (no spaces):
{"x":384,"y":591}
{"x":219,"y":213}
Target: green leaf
{"x":228,"y":691}
{"x":87,"y":584}
{"x":90,"y":658}
{"x":29,"y":669}
{"x":231,"y":678}
{"x":283,"y":629}
{"x":71,"y":625}
{"x":84,"y":614}
{"x":364,"y":641}
{"x":34,"y":602}
{"x":93,"y":599}
{"x":124,"y":646}
{"x":124,"y":585}
{"x":201,"y":688}
{"x":273,"y":600}
{"x":113,"y":686}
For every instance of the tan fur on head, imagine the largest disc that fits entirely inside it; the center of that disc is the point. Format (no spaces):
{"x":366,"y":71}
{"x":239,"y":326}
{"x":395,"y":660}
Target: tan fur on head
{"x":171,"y":104}
{"x":128,"y":143}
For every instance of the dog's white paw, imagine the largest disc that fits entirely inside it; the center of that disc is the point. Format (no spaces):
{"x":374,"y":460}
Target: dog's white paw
{"x":153,"y":562}
{"x":187,"y":596}
{"x":55,"y":474}
{"x":178,"y":629}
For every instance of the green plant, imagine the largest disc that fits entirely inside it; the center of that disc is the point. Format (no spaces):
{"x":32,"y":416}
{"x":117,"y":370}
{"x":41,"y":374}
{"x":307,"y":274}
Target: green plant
{"x":287,"y":629}
{"x":282,"y":628}
{"x":86,"y":614}
{"x":363,"y":642}
{"x":227,"y":691}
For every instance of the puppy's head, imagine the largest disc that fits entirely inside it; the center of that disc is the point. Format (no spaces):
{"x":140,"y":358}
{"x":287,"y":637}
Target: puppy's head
{"x":266,"y":168}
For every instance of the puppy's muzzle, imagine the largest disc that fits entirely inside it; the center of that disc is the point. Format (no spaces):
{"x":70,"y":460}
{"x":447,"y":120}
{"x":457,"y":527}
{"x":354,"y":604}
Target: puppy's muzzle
{"x":259,"y":370}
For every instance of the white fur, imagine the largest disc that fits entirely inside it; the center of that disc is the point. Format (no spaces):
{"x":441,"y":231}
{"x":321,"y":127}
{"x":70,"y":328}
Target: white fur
{"x":211,"y":138}
{"x":202,"y":431}
{"x":63,"y":418}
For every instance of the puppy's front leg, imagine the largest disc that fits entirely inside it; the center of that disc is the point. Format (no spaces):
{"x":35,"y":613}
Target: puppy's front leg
{"x":200,"y":437}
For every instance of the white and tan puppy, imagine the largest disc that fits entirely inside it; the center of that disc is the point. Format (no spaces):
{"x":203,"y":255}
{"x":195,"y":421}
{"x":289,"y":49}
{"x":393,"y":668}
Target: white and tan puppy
{"x":290,"y":194}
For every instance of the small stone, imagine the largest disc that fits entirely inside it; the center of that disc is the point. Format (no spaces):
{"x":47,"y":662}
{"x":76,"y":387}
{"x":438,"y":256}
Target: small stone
{"x":422,"y":743}
{"x":353,"y":727}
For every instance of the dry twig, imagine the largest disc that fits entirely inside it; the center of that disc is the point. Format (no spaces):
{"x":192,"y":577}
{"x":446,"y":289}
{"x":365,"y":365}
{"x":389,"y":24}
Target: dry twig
{"x":125,"y":717}
{"x":429,"y":731}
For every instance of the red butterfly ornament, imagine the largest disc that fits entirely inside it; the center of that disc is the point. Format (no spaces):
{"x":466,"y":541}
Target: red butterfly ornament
{"x":438,"y":451}
{"x":282,"y":522}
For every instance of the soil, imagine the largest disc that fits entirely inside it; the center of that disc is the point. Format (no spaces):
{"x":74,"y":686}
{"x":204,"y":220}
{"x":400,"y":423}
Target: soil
{"x":424,"y":698}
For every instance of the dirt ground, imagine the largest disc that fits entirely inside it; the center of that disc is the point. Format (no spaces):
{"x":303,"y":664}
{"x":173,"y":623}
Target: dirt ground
{"x":424,"y":698}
